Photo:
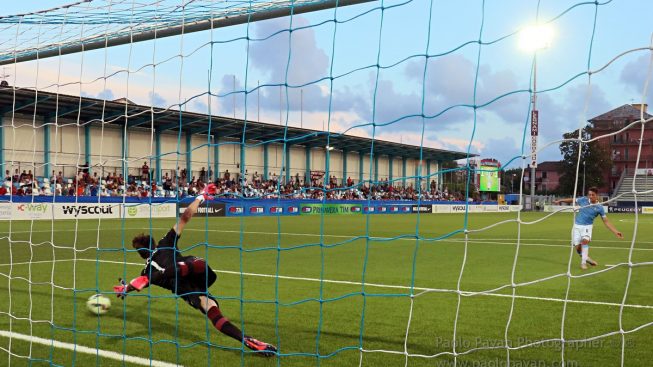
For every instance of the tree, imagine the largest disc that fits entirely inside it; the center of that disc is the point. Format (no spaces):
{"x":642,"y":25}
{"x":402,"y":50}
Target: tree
{"x":510,"y":180}
{"x":455,"y":180}
{"x":594,"y":161}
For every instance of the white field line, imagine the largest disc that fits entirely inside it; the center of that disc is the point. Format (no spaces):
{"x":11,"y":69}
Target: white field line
{"x":490,"y":241}
{"x":375,"y":285}
{"x":86,"y":350}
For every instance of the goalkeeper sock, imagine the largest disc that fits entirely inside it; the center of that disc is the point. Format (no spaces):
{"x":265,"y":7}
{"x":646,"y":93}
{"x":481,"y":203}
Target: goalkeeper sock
{"x":585,"y":250}
{"x":223,"y":324}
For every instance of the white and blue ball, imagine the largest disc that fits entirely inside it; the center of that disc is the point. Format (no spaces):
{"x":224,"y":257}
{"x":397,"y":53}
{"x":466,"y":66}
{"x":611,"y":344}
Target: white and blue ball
{"x":98,"y":304}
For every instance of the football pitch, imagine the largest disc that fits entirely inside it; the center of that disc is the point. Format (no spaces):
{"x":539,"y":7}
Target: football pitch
{"x":334,"y":291}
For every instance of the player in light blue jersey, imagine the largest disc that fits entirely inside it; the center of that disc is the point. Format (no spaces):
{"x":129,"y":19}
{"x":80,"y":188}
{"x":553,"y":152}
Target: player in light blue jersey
{"x":590,"y":208}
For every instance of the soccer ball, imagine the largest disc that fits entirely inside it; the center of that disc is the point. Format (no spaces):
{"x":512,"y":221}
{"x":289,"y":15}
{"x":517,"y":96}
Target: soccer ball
{"x":98,"y":304}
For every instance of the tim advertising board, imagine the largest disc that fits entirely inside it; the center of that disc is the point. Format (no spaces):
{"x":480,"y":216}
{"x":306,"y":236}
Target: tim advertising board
{"x":207,"y":208}
{"x":330,"y":209}
{"x":276,"y":210}
{"x":256,"y":210}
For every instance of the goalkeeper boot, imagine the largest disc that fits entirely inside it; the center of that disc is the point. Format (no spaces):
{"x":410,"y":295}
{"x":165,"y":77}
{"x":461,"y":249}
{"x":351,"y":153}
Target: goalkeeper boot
{"x":591,"y":261}
{"x":583,"y":266}
{"x":265,"y":349}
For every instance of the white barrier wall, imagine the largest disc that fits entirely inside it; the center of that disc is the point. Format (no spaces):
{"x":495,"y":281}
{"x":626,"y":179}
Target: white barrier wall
{"x":352,"y":166}
{"x":24,"y":145}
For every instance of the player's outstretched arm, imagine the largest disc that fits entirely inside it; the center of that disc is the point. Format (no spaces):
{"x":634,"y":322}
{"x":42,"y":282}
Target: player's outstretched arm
{"x":136,"y":284}
{"x":612,"y":228}
{"x":564,"y":201}
{"x":209,"y":190}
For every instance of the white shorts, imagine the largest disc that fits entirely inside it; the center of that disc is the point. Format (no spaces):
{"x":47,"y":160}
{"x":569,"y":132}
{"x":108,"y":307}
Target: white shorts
{"x":580,"y":232}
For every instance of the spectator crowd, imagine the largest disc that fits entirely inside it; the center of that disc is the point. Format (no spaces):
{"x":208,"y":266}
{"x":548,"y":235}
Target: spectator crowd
{"x":179,"y":185}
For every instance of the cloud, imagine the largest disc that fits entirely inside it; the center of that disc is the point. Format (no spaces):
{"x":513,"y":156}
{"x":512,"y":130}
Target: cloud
{"x":502,"y":148}
{"x":106,"y":94}
{"x":563,"y":111}
{"x":157,"y":100}
{"x":634,"y":75}
{"x":307,"y":62}
{"x":449,"y":84}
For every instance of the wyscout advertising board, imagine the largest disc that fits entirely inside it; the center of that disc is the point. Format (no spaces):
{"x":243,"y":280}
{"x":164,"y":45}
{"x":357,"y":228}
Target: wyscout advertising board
{"x":489,"y":181}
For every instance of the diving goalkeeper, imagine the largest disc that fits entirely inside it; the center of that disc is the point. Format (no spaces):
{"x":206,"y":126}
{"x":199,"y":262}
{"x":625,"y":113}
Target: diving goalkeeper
{"x":188,"y":277}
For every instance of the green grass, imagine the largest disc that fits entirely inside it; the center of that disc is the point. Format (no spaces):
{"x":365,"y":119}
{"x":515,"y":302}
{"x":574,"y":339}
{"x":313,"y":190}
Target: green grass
{"x":304,"y":316}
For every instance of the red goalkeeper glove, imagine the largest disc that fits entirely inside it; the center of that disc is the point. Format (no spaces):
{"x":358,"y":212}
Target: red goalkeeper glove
{"x":137,"y":283}
{"x":120,"y":290}
{"x":208,"y":192}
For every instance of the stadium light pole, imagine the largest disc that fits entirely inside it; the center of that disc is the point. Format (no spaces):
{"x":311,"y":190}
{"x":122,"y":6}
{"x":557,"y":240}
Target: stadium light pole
{"x":512,"y":183}
{"x":532,"y":39}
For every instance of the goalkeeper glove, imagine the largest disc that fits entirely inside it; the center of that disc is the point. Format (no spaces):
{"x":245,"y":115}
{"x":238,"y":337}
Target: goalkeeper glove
{"x":120,"y":290}
{"x":137,"y":283}
{"x":207,"y":193}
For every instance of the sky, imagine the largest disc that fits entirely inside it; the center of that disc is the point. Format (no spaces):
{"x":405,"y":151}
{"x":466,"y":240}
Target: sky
{"x":367,"y":74}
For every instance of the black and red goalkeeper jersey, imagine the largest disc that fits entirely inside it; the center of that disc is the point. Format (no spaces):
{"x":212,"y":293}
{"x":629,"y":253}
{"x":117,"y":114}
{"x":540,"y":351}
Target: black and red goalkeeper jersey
{"x":161,"y":268}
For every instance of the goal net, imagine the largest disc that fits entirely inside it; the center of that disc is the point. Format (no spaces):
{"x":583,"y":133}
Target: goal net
{"x":361,"y":151}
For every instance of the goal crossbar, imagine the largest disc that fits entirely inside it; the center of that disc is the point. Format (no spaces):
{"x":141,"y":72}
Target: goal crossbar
{"x":225,"y":18}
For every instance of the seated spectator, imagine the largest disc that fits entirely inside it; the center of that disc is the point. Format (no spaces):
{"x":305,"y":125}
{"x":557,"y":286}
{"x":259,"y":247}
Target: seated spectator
{"x":167,"y":185}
